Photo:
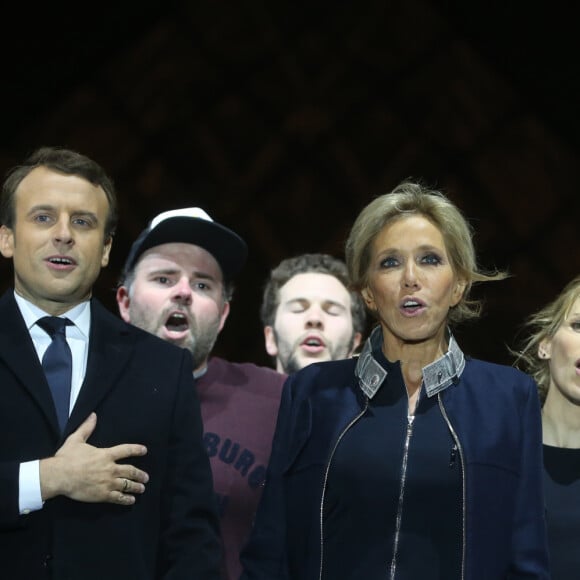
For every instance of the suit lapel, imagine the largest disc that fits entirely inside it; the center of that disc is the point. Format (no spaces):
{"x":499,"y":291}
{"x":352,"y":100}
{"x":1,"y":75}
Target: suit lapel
{"x":19,"y":355}
{"x":110,"y":347}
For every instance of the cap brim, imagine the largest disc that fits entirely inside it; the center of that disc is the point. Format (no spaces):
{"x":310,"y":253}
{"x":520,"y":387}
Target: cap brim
{"x":229,"y":249}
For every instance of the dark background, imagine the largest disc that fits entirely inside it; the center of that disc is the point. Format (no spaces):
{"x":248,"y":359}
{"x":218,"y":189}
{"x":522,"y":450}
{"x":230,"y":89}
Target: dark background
{"x":284,"y":119}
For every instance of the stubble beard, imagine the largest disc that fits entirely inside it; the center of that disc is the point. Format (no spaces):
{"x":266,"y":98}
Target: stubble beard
{"x":199,"y":342}
{"x":291,"y":362}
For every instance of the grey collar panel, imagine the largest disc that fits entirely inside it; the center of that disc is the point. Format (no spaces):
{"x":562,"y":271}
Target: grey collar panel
{"x":437,"y":376}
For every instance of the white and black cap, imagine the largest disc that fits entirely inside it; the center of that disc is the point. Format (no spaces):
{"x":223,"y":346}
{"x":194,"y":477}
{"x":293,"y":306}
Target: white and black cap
{"x":192,"y":225}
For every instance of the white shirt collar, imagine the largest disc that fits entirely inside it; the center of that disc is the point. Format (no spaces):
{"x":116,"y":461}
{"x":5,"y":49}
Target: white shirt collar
{"x":80,"y":315}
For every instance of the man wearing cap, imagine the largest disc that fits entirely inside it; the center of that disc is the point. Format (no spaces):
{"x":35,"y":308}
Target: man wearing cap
{"x":177,"y":283}
{"x":309,"y":313}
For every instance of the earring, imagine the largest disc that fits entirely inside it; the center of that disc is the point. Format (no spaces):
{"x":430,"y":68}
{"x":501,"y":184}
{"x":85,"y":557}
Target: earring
{"x":542,"y":354}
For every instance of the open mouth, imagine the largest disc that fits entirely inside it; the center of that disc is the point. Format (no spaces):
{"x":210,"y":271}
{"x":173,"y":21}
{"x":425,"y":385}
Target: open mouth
{"x":177,"y":322}
{"x":313,"y":344}
{"x":61,"y":261}
{"x":411,"y":305}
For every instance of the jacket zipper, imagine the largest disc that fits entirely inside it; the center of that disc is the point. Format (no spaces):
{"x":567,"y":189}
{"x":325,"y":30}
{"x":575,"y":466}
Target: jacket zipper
{"x":462,"y":462}
{"x":410,"y":421}
{"x":342,"y":434}
{"x":393,"y":566}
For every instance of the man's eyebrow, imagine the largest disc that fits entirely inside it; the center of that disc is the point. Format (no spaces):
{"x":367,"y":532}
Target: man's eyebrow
{"x":203,"y":275}
{"x":40,"y":207}
{"x":326,"y":303}
{"x":297,"y":299}
{"x":43,"y":206}
{"x":87,"y":213}
{"x":330,"y":302}
{"x":162,"y":271}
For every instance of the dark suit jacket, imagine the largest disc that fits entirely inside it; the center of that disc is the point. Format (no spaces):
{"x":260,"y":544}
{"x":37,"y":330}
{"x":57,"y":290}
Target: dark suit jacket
{"x":142,"y":390}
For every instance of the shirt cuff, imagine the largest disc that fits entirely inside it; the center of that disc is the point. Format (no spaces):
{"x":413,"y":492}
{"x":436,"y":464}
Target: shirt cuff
{"x":29,"y":495}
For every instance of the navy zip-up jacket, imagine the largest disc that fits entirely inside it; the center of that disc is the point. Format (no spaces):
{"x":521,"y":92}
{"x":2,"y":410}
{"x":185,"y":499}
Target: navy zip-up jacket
{"x":492,"y":410}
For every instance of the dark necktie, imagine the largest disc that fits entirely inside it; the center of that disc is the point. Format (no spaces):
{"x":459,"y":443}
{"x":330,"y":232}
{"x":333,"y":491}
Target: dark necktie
{"x":57,"y":365}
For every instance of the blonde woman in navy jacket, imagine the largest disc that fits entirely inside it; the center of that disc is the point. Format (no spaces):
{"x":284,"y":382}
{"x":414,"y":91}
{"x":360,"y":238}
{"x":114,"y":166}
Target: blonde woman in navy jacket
{"x":412,"y":461}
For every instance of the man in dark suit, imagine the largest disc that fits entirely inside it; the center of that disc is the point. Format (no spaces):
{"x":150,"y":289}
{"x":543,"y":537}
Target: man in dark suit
{"x":121,"y":488}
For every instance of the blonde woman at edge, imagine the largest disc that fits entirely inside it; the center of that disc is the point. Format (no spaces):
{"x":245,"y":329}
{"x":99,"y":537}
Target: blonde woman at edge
{"x":551,"y":354}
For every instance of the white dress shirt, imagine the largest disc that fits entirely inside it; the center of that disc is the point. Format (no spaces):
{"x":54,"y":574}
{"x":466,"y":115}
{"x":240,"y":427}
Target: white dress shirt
{"x":77,"y":337}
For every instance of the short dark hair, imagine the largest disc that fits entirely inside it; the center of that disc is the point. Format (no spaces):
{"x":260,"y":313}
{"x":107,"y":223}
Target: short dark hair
{"x":306,"y":264}
{"x":63,"y":161}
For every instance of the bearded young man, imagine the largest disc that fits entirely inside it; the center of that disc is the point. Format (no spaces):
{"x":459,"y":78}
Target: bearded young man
{"x":309,"y":314}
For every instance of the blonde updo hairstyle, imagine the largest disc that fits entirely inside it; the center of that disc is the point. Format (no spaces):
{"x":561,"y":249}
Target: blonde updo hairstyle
{"x":411,"y":198}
